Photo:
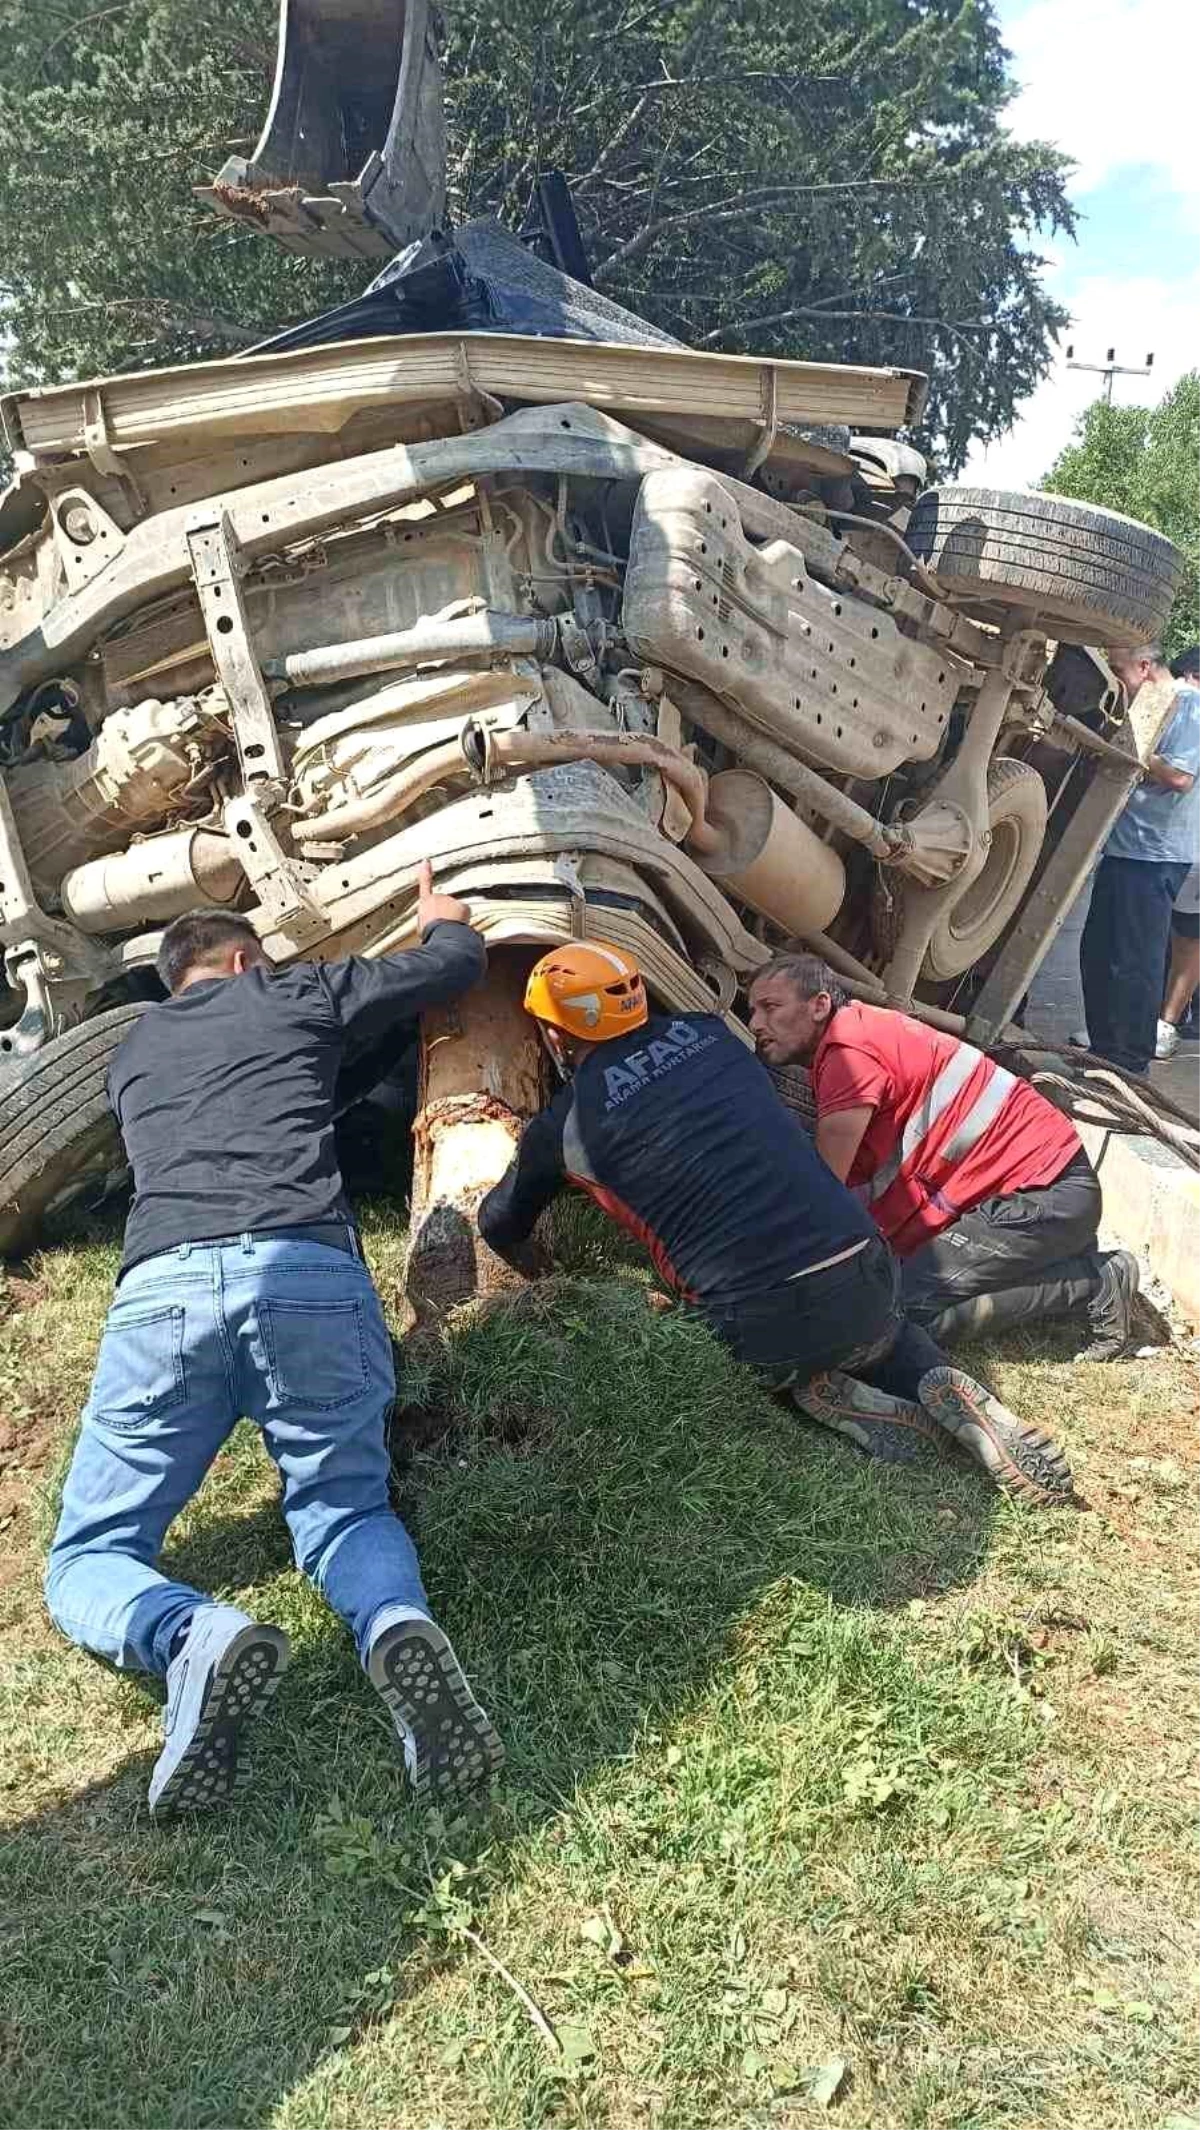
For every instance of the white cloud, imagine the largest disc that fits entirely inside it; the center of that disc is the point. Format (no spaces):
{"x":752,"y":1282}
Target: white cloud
{"x":1136,"y":316}
{"x":1113,"y":82}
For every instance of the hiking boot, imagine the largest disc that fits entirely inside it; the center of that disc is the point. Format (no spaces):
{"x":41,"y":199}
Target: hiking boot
{"x":1110,"y":1313}
{"x":450,"y":1747}
{"x":222,"y":1679}
{"x":895,"y":1430}
{"x":1021,"y":1460}
{"x":1166,"y":1041}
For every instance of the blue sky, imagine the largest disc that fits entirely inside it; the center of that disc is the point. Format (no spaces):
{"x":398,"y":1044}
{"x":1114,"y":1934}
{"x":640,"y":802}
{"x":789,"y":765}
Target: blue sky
{"x":1116,"y":84}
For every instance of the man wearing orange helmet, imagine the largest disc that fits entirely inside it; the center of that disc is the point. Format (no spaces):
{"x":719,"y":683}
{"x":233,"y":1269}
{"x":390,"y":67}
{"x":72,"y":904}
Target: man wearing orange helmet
{"x":673,"y":1127}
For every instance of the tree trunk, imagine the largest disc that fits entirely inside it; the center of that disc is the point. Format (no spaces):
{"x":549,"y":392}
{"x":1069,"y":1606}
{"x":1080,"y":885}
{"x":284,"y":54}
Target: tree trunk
{"x":482,"y":1075}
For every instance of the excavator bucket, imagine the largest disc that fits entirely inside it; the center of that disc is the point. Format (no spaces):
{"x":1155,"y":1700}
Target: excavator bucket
{"x":352,"y":159}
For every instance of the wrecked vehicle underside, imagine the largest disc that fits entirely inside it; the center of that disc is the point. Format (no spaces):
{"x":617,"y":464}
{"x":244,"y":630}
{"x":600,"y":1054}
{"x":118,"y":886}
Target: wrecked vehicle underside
{"x":654,"y":647}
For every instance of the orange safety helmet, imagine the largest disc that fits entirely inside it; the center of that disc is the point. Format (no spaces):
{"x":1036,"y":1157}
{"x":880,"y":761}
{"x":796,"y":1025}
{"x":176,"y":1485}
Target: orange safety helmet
{"x":589,"y":991}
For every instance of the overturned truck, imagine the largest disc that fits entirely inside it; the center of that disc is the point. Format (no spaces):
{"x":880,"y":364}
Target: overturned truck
{"x":659,"y":648}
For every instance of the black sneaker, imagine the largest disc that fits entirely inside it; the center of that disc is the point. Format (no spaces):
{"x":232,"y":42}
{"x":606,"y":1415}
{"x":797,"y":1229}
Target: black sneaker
{"x":1021,"y":1460}
{"x":1111,"y":1313}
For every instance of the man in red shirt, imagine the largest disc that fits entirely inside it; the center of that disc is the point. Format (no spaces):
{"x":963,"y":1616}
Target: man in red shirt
{"x":979,"y":1184}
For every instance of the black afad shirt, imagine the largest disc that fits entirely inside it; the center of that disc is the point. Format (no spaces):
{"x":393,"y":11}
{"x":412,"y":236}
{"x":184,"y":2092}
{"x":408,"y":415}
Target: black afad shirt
{"x":677,"y":1132}
{"x":225,"y":1093}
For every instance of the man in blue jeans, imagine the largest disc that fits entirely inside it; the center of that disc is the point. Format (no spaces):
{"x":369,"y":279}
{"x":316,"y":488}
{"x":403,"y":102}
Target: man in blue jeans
{"x":1146,"y":860}
{"x":242,"y":1291}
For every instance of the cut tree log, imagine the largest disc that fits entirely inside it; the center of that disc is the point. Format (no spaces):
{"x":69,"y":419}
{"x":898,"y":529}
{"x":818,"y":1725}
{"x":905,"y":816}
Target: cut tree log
{"x":483,"y":1073}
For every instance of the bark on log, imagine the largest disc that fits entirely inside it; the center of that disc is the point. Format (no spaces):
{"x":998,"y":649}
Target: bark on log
{"x":482,"y":1074}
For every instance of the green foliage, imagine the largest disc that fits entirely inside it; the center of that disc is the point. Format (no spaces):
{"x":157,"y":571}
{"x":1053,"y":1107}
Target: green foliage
{"x":1145,"y":462}
{"x":830,"y":182}
{"x":792,"y":1820}
{"x":107,"y":119}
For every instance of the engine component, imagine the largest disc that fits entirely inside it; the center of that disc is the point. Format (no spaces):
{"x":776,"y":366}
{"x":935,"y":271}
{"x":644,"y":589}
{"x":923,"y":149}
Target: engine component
{"x":343,"y":757}
{"x":767,"y":857}
{"x":387,"y":800}
{"x":134,"y":775}
{"x":496,"y":752}
{"x":467,"y":636}
{"x":832,"y":678}
{"x":152,"y":882}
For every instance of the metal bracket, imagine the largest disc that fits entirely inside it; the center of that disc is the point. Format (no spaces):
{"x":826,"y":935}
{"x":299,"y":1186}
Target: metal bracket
{"x":769,"y":427}
{"x":98,"y":445}
{"x":86,"y":538}
{"x":217,"y":568}
{"x":1023,"y":656}
{"x":577,"y":651}
{"x":282,"y":885}
{"x":566,"y":869}
{"x":56,"y":967}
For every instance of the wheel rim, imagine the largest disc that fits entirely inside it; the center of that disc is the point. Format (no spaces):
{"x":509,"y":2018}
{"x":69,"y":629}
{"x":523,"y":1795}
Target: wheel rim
{"x":976,"y":906}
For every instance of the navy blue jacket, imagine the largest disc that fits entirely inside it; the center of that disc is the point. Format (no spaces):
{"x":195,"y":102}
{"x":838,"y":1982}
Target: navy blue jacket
{"x":677,"y":1132}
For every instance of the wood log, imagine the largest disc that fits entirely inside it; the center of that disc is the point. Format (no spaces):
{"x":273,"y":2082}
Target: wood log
{"x":482,"y":1074}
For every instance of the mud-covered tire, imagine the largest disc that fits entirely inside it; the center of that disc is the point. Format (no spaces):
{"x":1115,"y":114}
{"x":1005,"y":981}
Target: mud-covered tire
{"x":56,"y":1127}
{"x":1088,"y":575}
{"x":1017,"y":810}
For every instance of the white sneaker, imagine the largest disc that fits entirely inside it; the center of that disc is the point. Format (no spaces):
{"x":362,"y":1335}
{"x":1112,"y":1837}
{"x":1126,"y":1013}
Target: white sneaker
{"x":1168,"y":1040}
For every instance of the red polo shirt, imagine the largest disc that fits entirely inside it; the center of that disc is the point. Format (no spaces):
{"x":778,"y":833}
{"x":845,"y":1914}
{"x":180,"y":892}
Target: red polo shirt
{"x":872,"y":1058}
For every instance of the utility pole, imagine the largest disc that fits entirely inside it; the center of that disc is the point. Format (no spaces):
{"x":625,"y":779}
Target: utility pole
{"x":1108,"y":369}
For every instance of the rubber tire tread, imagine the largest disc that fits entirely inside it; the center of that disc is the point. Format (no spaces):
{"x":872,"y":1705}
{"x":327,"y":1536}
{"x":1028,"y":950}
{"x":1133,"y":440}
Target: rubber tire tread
{"x":1003,"y":776}
{"x":1100,"y":577}
{"x":54,"y":1114}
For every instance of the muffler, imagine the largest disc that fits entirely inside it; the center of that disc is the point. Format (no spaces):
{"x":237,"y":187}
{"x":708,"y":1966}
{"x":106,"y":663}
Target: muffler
{"x":768,"y":858}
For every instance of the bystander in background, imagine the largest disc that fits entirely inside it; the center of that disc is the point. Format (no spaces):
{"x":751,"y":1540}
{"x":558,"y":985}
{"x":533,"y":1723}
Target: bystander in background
{"x":1179,"y":1021}
{"x":1146,"y":861}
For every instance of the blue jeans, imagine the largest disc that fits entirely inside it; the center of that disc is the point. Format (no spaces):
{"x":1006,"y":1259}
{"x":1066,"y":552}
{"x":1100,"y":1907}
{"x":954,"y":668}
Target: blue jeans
{"x":287,"y":1333}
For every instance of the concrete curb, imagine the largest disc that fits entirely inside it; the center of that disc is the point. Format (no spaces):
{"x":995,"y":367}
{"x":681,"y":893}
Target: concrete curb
{"x":1152,"y":1203}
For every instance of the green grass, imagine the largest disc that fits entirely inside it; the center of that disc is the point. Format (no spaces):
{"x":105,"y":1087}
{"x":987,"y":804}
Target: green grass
{"x":811,"y":1765}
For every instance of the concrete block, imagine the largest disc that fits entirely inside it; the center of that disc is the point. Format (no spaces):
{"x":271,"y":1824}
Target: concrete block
{"x":1152,"y":1203}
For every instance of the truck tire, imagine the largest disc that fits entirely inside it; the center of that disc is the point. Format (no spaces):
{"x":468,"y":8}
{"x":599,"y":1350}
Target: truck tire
{"x":56,"y":1128}
{"x":1088,"y":575}
{"x":1017,"y":812}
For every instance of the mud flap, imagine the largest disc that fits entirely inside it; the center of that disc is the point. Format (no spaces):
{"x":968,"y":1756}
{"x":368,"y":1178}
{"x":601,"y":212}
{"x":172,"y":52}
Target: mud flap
{"x":352,"y":158}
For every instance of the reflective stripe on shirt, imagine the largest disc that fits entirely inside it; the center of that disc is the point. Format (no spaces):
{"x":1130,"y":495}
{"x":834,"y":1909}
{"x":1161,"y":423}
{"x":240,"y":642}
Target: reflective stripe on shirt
{"x":946,"y":1086}
{"x":942,"y":1091}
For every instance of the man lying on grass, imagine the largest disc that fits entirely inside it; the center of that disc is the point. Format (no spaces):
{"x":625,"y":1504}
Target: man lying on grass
{"x":674,"y":1128}
{"x":242,"y":1291}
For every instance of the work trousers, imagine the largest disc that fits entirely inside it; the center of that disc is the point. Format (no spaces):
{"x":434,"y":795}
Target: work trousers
{"x":287,"y":1333}
{"x":1122,"y":953}
{"x":1017,"y":1259}
{"x":849,"y":1316}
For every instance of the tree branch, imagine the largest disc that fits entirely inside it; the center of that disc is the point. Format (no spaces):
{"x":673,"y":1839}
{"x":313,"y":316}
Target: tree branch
{"x":618,"y":139}
{"x":957,"y":329}
{"x":206,"y":325}
{"x":81,"y":22}
{"x":730,"y":210}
